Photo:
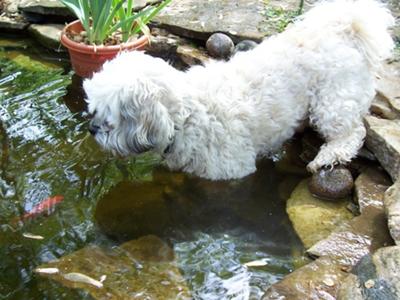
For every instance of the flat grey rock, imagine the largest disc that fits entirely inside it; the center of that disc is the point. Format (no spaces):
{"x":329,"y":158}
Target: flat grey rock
{"x":240,"y":19}
{"x":45,"y":7}
{"x":8,"y":24}
{"x":48,"y":35}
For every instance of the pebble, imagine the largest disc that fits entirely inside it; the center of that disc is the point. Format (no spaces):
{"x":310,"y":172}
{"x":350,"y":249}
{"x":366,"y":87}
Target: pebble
{"x":328,"y":282}
{"x":220,"y":45}
{"x":332,"y":184}
{"x":369,"y":284}
{"x":244,"y":45}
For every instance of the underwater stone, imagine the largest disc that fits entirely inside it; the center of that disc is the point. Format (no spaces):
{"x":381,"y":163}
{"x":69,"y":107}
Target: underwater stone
{"x":137,"y":269}
{"x":220,"y":45}
{"x":332,"y":184}
{"x":312,"y":218}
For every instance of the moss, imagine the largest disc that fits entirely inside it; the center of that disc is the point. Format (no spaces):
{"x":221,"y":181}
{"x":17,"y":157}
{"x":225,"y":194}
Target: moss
{"x":279,"y":18}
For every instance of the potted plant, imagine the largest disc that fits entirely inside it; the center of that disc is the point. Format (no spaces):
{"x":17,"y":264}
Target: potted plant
{"x":103,"y":29}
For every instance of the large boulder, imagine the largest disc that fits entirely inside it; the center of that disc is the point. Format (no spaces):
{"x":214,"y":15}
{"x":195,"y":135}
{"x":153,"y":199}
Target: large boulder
{"x":241,"y":19}
{"x":383,"y":138}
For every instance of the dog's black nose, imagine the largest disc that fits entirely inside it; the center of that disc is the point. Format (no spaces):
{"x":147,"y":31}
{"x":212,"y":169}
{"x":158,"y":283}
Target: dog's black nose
{"x":93,"y":129}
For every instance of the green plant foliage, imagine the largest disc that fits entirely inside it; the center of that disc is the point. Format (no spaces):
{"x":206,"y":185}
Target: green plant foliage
{"x":103,"y":18}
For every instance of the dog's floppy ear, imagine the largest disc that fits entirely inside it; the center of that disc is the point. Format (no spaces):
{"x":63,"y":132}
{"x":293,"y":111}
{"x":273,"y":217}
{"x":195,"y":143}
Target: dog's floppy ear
{"x":150,"y":124}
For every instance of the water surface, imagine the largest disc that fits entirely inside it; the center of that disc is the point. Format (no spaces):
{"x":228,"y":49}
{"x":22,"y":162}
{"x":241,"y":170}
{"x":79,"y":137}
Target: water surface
{"x":215,"y":228}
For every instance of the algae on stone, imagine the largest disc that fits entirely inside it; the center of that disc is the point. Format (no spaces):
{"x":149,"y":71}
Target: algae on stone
{"x":139,"y":269}
{"x":312,"y":218}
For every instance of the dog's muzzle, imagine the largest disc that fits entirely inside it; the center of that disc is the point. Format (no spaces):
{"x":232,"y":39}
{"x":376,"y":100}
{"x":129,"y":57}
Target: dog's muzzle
{"x":93,"y":129}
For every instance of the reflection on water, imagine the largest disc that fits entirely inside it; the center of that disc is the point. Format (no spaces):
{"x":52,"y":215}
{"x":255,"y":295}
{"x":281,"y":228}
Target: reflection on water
{"x":214,"y":227}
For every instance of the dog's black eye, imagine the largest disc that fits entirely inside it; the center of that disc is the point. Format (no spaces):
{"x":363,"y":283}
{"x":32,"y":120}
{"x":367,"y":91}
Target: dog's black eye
{"x":108,"y":125}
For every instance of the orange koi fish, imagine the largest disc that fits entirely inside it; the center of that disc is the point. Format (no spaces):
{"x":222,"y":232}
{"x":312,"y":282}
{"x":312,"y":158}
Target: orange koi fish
{"x":44,"y":207}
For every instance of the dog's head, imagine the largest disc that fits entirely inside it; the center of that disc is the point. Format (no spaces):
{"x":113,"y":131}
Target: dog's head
{"x":125,"y":101}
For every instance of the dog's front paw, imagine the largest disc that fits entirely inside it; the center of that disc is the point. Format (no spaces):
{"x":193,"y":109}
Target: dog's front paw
{"x":317,"y":164}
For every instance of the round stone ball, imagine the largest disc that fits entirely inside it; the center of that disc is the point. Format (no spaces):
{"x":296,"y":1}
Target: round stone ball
{"x":332,"y":184}
{"x":220,"y":46}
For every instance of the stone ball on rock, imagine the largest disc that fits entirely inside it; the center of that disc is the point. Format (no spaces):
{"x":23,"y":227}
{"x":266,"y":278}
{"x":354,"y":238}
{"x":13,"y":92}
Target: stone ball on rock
{"x":331,"y":184}
{"x":244,"y":45}
{"x":220,"y":45}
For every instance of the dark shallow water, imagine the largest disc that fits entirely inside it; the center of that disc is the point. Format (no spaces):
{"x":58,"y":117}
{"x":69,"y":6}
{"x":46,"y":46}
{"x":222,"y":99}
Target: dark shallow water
{"x":213,"y":227}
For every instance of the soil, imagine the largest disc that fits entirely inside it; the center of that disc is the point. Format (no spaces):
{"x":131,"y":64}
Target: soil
{"x":113,"y":40}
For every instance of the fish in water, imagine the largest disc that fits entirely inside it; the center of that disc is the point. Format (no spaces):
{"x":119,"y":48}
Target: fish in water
{"x":82,"y":278}
{"x":47,"y":270}
{"x":44,"y":207}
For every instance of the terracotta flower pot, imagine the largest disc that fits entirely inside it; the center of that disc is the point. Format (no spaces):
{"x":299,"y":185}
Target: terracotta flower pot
{"x":87,"y":59}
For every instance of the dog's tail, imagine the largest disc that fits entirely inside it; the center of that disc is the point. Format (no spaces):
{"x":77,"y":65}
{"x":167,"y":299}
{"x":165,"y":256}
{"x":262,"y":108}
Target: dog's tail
{"x":365,"y":21}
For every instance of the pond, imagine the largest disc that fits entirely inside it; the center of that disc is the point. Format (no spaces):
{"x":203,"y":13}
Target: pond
{"x":227,"y":240}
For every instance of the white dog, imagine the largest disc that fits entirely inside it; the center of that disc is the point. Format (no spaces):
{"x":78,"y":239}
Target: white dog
{"x":214,"y":120}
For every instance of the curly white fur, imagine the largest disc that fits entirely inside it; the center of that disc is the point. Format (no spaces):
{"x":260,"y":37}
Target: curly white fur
{"x":214,"y":120}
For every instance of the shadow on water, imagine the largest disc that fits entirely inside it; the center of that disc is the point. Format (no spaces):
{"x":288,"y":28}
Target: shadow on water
{"x":213,"y":227}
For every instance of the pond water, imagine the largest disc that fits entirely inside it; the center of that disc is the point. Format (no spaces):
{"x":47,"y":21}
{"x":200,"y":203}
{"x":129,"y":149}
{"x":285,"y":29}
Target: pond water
{"x":213,"y":228}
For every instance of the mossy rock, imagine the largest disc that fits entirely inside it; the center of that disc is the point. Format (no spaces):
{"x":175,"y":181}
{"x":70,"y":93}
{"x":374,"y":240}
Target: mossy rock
{"x":139,"y":269}
{"x":312,"y":218}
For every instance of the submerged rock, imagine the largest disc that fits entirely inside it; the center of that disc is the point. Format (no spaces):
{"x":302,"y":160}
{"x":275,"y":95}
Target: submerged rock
{"x":331,"y":184}
{"x":392,"y":208}
{"x":383,"y":139}
{"x":139,"y":269}
{"x":220,"y":45}
{"x":312,"y":218}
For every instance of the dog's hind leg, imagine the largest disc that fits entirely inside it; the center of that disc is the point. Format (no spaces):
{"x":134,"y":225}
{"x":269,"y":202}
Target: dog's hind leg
{"x":337,"y":113}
